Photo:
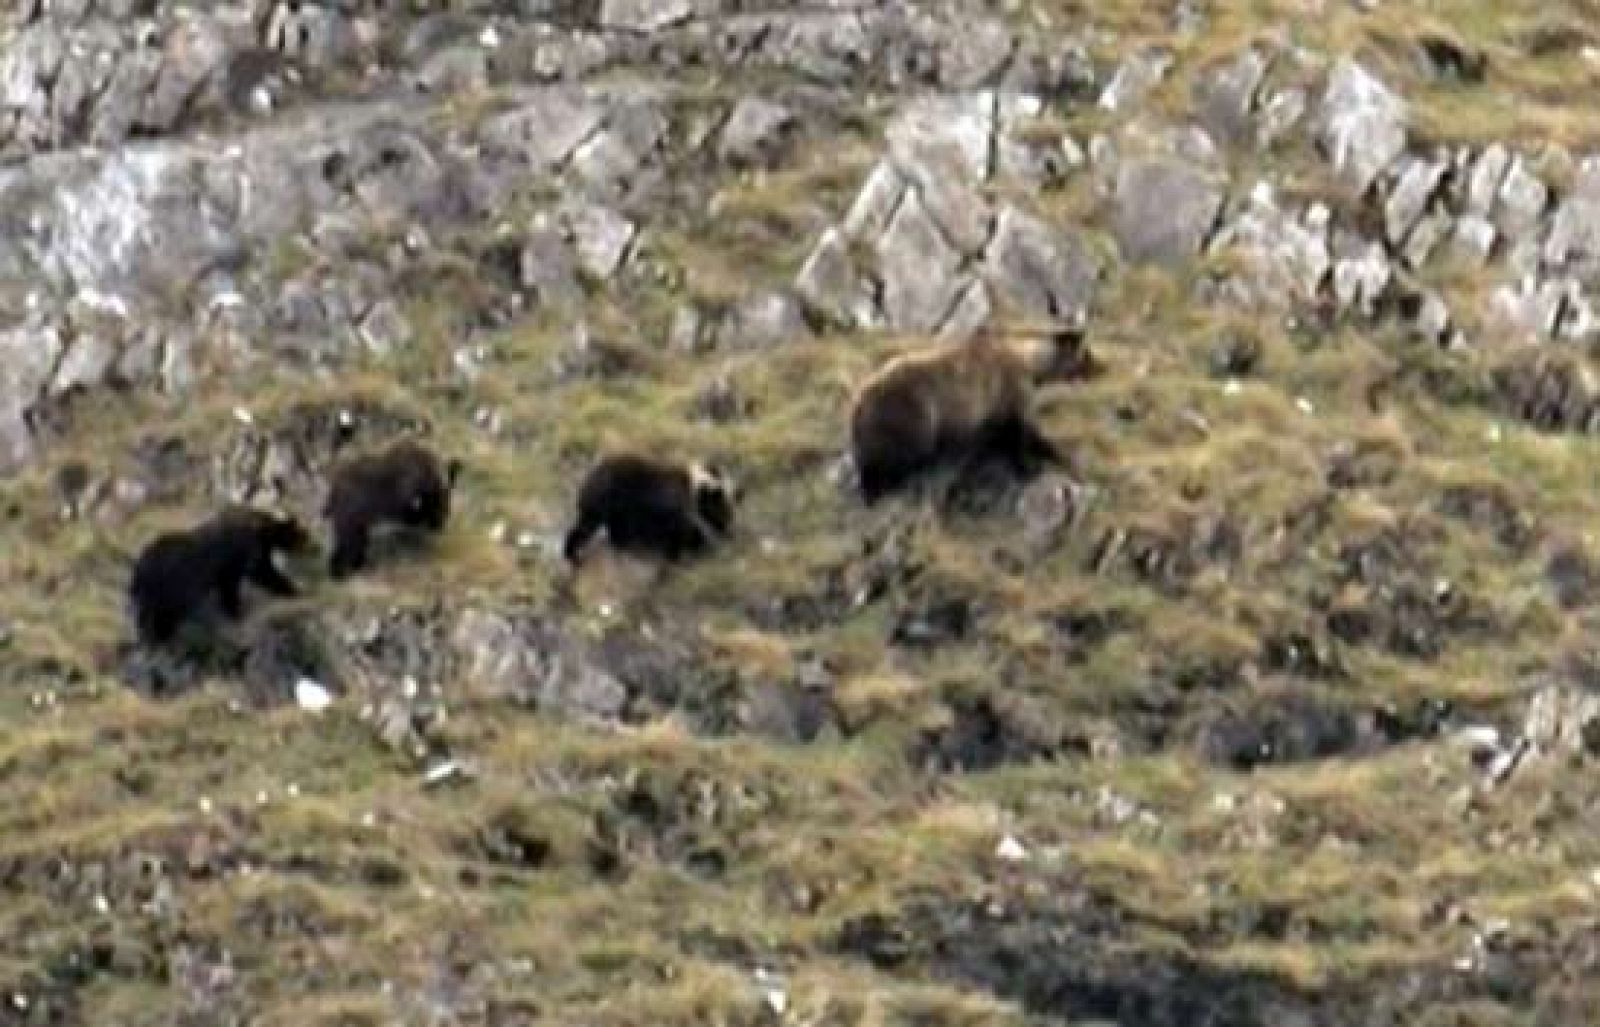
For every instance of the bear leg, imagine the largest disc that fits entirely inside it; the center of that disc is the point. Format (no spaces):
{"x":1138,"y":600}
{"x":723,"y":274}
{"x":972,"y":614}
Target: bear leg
{"x":878,"y":480}
{"x":155,"y":624}
{"x":228,"y":595}
{"x":349,"y":547}
{"x":1023,"y":446}
{"x":265,"y":574}
{"x":579,"y":536}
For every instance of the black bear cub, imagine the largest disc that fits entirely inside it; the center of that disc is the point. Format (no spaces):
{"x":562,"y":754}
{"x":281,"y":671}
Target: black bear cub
{"x":650,"y":505}
{"x":180,"y":570}
{"x":405,"y":484}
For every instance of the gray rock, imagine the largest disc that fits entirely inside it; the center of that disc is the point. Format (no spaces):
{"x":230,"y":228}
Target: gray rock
{"x":959,"y":209}
{"x":1361,"y":275}
{"x":544,"y":132}
{"x":1289,"y":257}
{"x":1520,"y":200}
{"x":786,"y":713}
{"x":645,"y":15}
{"x":384,"y":329}
{"x":316,"y":35}
{"x":1361,"y":125}
{"x":194,"y":50}
{"x":875,"y":204}
{"x":523,"y":661}
{"x":1432,"y":319}
{"x":1574,"y":241}
{"x":27,"y":355}
{"x":764,"y":320}
{"x":1415,"y":187}
{"x":1522,"y":258}
{"x":119,"y":105}
{"x":755,"y":133}
{"x":1135,"y":77}
{"x":920,"y":270}
{"x":690,"y":331}
{"x":1578,"y":321}
{"x":1474,"y":237}
{"x":1037,"y":270}
{"x":612,"y":163}
{"x":1164,"y":210}
{"x":1563,"y":720}
{"x":1280,"y":113}
{"x":601,"y":238}
{"x":1225,"y":97}
{"x":949,"y":133}
{"x":973,"y":311}
{"x":974,"y":52}
{"x":832,"y":285}
{"x":1485,"y":178}
{"x":1037,"y":160}
{"x":1530,"y":306}
{"x":548,"y":268}
{"x":1065,"y":72}
{"x":1432,"y":230}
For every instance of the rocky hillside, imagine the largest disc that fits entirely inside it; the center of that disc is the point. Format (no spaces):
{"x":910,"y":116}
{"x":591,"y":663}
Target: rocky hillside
{"x":1278,"y":705}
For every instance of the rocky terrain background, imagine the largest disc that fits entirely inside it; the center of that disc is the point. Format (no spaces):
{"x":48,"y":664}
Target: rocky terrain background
{"x":1277,"y":706}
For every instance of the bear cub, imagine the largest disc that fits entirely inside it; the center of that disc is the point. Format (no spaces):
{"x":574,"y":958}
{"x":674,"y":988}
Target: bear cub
{"x":179,"y":571}
{"x":652,"y":506}
{"x":405,"y":484}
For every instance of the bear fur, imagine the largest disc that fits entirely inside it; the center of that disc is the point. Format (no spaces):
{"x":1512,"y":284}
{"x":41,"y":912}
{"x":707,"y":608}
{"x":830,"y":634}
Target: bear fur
{"x":179,"y":571}
{"x":652,"y":506}
{"x":955,"y":402}
{"x":405,"y":484}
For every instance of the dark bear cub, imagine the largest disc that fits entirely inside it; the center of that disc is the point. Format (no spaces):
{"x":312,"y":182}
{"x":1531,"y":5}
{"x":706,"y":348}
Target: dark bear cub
{"x":652,"y":506}
{"x":405,"y":484}
{"x":180,"y":570}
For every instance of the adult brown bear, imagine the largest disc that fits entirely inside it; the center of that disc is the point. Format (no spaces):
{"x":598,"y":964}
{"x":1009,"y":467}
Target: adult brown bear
{"x":952,"y":402}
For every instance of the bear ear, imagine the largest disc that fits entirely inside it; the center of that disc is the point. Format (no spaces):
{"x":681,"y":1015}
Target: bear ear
{"x":452,"y":471}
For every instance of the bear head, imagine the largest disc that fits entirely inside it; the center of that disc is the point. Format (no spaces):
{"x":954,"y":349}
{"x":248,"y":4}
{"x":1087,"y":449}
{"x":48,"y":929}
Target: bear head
{"x":714,"y":495}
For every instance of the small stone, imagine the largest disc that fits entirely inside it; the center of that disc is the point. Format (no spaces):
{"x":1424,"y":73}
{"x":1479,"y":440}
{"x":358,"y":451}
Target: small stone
{"x":1474,"y":237}
{"x":439,"y":773}
{"x":1135,"y":77}
{"x":1520,"y":201}
{"x":312,"y":696}
{"x":1011,"y":850}
{"x":755,"y":133}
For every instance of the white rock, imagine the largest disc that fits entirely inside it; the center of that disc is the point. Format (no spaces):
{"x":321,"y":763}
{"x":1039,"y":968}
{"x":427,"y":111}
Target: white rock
{"x":439,"y":773}
{"x":1011,"y":850}
{"x":311,"y":695}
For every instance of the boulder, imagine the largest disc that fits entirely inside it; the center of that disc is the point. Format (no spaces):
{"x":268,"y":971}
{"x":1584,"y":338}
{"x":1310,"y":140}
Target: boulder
{"x":1038,"y":270}
{"x":1361,"y":124}
{"x":920,"y":270}
{"x":1225,"y":96}
{"x":755,"y":133}
{"x":1164,"y":210}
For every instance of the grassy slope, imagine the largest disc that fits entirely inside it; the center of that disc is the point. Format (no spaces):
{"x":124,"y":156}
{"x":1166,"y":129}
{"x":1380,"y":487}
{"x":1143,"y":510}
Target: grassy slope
{"x":321,"y":882}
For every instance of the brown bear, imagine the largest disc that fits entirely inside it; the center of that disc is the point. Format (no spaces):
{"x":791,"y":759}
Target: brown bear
{"x":953,"y":402}
{"x":405,"y":484}
{"x":180,"y":570}
{"x":651,"y":505}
